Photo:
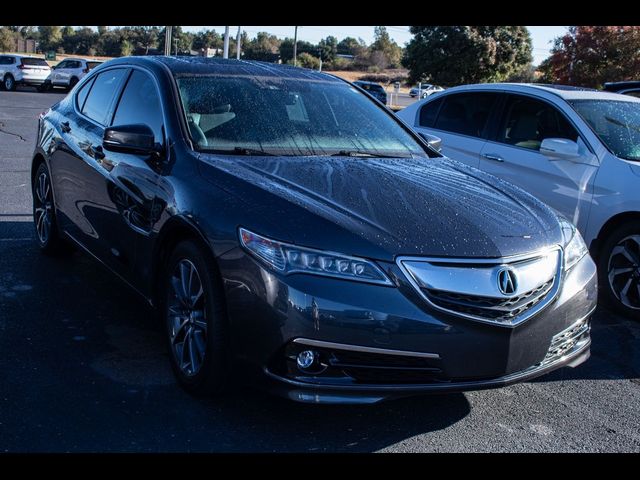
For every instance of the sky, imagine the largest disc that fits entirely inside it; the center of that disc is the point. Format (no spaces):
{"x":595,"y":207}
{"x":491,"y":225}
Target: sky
{"x":542,"y":37}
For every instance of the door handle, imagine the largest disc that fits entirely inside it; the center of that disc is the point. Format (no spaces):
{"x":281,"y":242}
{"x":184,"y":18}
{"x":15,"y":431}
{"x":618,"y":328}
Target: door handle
{"x":97,"y":152}
{"x":65,"y":127}
{"x":493,"y":156}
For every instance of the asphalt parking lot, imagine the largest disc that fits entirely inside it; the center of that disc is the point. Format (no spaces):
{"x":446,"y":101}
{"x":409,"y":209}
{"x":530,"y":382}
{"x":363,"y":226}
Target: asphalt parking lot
{"x":83,"y":368}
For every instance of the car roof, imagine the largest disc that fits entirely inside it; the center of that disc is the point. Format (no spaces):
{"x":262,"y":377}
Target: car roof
{"x":215,"y":66}
{"x":565,"y":92}
{"x":364,"y":82}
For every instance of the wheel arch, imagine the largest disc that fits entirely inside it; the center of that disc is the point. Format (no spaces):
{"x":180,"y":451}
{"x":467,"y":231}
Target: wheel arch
{"x":610,"y":225}
{"x":175,"y":230}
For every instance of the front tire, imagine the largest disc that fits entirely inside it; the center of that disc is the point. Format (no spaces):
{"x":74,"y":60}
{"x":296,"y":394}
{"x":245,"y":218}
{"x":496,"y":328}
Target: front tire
{"x":619,"y":270}
{"x":195,"y":320}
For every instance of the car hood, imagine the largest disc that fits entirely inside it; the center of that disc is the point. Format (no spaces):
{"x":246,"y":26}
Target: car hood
{"x":381,"y":208}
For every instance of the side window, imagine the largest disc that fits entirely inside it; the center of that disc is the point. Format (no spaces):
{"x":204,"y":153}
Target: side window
{"x":466,"y":113}
{"x":633,"y":93}
{"x":73,"y":64}
{"x":62,"y":64}
{"x":101,"y":95}
{"x":82,"y":94}
{"x":5,"y":61}
{"x":140,"y":103}
{"x":428,"y":113}
{"x":526,"y":122}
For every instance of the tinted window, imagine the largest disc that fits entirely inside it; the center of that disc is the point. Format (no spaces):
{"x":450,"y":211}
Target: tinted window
{"x":633,"y":93}
{"x":289,"y":117}
{"x":92,"y":65}
{"x":466,"y":113}
{"x":82,"y":93}
{"x":101,"y":95}
{"x":36,"y":62}
{"x":62,"y":64}
{"x":428,"y":113}
{"x":140,"y":104}
{"x":74,"y":64}
{"x":526,"y":122}
{"x":6,"y":60}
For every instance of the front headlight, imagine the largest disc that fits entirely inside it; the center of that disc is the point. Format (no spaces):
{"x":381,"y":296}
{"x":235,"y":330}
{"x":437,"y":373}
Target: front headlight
{"x":574,"y":246}
{"x":286,"y":258}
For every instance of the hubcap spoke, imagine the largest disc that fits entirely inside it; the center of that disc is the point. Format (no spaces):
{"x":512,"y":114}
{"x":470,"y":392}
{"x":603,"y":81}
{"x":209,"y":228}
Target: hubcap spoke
{"x":624,"y":271}
{"x":187,"y":323}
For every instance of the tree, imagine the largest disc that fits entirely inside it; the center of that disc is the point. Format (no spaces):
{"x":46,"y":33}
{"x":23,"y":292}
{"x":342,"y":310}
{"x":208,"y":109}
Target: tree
{"x":592,"y":55}
{"x":453,"y":55}
{"x":102,"y":30}
{"x":328,"y":48}
{"x":207,"y":39}
{"x":349,"y":46}
{"x":263,"y":47}
{"x":126,"y":48}
{"x":50,"y":37}
{"x":306,"y":60}
{"x":391,"y":51}
{"x":7,"y":40}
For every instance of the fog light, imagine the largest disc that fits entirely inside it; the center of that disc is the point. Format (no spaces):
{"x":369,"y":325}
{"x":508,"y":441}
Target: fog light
{"x":305,"y":359}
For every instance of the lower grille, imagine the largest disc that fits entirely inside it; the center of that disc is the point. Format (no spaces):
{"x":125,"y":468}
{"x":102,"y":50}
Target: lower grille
{"x":497,"y":309}
{"x":567,"y":341}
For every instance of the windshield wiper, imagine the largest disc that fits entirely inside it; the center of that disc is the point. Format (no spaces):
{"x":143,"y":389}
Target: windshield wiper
{"x":361,"y":153}
{"x":251,"y":151}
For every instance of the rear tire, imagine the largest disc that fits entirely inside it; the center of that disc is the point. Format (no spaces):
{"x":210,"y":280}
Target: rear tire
{"x":619,"y":270}
{"x":44,"y":215}
{"x":9,"y":83}
{"x":72,"y":83}
{"x":192,"y":308}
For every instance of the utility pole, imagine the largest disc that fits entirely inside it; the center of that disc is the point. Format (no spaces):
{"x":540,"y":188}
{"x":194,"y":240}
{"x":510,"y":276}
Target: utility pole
{"x":167,"y":40}
{"x":295,"y":47}
{"x":225,"y":51}
{"x":238,"y":46}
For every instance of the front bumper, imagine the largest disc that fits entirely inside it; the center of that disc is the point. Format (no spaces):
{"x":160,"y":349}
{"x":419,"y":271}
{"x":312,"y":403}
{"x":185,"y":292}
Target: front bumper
{"x":273,"y":316}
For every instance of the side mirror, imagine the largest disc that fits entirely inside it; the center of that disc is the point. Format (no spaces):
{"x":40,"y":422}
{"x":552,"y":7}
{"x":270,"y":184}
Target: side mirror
{"x":136,"y":139}
{"x":433,"y":141}
{"x":560,"y":149}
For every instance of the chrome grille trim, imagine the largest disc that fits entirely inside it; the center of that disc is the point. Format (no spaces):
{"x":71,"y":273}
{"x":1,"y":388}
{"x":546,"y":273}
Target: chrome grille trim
{"x":494,"y":311}
{"x":567,"y":341}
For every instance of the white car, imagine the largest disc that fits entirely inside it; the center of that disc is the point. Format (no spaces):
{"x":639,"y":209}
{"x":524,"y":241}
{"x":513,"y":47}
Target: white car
{"x":425,"y":90}
{"x":69,"y":72}
{"x":578,"y":150}
{"x":22,"y":70}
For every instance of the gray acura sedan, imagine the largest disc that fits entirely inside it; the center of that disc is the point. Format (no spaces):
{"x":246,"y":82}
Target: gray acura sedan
{"x":293,"y":234}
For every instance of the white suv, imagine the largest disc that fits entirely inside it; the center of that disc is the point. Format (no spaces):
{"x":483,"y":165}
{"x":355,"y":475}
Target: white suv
{"x":69,"y":72}
{"x":578,"y":150}
{"x":22,"y":70}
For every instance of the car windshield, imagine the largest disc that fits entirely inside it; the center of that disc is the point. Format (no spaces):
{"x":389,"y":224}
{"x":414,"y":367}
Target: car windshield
{"x":615,"y":122}
{"x":39,"y":62}
{"x":278,"y":116}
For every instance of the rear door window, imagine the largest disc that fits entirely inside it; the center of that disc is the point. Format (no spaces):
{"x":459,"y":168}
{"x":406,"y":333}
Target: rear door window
{"x":100,"y":99}
{"x":429,"y":112}
{"x":466,"y":113}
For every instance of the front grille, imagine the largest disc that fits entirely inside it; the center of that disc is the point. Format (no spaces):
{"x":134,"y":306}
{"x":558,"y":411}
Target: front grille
{"x":496,"y":309}
{"x":567,"y":341}
{"x":472,"y":288}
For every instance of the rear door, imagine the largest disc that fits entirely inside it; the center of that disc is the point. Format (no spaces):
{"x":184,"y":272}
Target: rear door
{"x":461,"y":120}
{"x":514,"y":155}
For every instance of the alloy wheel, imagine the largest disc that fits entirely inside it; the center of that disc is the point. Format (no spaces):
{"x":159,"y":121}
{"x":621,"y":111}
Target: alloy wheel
{"x":43,"y":208}
{"x":8,"y":83}
{"x":624,"y":271}
{"x":186,"y":318}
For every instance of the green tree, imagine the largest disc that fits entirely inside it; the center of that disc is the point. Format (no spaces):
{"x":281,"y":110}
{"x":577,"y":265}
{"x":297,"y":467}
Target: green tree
{"x":591,"y":55}
{"x":126,"y":48}
{"x":328,"y":48}
{"x":50,"y":37}
{"x":102,"y":30}
{"x":207,"y":39}
{"x":306,"y":60}
{"x":263,"y":47}
{"x":7,"y":40}
{"x":391,"y":51}
{"x":453,"y":55}
{"x":349,"y":46}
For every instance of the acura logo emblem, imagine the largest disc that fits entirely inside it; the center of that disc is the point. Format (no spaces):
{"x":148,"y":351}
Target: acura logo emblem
{"x":507,"y":282}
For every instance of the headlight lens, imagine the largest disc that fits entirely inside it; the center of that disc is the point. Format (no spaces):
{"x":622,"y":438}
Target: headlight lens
{"x":286,"y":258}
{"x":574,"y":246}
